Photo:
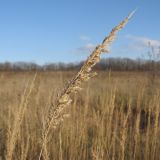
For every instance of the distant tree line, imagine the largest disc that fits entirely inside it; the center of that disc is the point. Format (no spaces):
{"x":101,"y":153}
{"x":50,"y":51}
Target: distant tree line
{"x":115,"y":64}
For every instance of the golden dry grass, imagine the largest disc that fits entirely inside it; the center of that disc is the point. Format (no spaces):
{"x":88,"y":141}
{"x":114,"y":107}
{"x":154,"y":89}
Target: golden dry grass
{"x":56,"y":113}
{"x":116,"y":116}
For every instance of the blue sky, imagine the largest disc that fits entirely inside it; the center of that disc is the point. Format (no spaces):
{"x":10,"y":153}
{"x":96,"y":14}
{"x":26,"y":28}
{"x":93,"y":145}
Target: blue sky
{"x":44,"y":31}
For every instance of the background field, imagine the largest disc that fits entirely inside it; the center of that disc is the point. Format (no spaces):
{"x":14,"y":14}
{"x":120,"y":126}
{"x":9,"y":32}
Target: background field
{"x":115,"y":116}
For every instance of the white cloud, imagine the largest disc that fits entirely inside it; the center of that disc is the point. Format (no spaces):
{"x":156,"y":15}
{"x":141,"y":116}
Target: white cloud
{"x":85,"y":38}
{"x":144,"y":41}
{"x":89,"y":47}
{"x":144,"y":44}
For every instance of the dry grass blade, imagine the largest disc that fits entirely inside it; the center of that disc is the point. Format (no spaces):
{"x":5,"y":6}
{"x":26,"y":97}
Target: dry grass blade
{"x":12,"y":139}
{"x":56,"y":114}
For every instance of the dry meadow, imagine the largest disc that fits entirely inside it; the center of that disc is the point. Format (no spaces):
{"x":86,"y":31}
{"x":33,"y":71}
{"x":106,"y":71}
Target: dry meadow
{"x":115,"y":116}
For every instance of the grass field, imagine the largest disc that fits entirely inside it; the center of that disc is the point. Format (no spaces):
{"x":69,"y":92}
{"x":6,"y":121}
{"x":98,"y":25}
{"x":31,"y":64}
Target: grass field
{"x":116,"y":116}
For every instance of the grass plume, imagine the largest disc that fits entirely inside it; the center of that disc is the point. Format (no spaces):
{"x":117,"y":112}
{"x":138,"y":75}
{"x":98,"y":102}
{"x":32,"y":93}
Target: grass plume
{"x":56,"y":114}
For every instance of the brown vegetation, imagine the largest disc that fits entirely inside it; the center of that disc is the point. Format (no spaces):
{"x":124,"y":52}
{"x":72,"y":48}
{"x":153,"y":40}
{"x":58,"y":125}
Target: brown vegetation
{"x":115,"y":117}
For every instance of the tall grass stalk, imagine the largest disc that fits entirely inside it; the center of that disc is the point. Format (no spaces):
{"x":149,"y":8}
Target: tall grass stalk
{"x":13,"y":135}
{"x":56,"y":114}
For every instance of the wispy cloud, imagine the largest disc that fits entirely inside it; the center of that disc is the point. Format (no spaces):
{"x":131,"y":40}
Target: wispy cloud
{"x":144,"y":41}
{"x":85,"y":38}
{"x":89,"y":47}
{"x":143,"y":45}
